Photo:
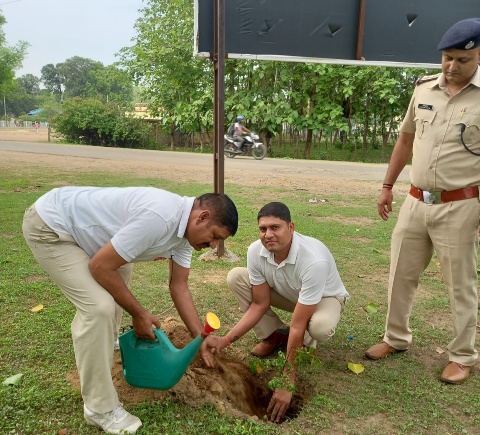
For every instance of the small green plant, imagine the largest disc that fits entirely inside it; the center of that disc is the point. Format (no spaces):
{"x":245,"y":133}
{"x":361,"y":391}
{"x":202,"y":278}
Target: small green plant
{"x":282,"y":382}
{"x":303,"y":356}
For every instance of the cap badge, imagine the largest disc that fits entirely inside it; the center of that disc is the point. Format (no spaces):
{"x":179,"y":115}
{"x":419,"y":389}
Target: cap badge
{"x":469,"y":45}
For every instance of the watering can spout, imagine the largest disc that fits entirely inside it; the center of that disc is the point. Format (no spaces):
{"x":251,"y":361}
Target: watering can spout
{"x":159,"y":364}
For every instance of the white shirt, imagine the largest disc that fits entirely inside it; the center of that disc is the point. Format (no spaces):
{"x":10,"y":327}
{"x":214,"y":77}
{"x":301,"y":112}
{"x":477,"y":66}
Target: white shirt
{"x":308,"y":274}
{"x":143,"y":223}
{"x":238,"y":129}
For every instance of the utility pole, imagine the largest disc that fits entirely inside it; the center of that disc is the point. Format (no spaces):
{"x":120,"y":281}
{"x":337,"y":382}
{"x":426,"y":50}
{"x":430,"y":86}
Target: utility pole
{"x":218,"y":58}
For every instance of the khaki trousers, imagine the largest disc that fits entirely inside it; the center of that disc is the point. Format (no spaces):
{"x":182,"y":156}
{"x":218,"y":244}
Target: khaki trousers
{"x":97,"y":320}
{"x":321,"y":326}
{"x":451,"y":230}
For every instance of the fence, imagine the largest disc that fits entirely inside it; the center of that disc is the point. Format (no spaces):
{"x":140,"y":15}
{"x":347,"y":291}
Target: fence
{"x":21,"y":124}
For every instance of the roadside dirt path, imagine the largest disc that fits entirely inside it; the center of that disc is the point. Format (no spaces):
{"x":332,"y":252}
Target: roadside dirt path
{"x":24,"y":134}
{"x":315,"y":182}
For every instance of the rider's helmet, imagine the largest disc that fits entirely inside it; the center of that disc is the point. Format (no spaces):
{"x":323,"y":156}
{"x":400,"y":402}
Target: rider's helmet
{"x":240,"y":118}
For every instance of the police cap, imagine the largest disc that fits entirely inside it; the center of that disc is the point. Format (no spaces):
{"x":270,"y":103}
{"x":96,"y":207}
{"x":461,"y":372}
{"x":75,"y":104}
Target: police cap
{"x":464,"y":35}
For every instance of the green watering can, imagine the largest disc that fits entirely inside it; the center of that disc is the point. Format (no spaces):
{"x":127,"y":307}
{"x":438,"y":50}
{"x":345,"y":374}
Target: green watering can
{"x":158,"y":364}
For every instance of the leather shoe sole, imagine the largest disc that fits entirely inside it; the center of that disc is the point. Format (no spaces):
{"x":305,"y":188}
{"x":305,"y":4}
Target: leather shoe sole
{"x":381,"y":350}
{"x":455,"y":373}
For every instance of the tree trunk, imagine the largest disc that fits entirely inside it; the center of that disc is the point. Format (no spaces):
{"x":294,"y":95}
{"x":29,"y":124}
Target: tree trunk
{"x":355,"y":149}
{"x":297,"y":146}
{"x":365,"y":131}
{"x":308,"y":143}
{"x":172,"y":136}
{"x":311,"y":105}
{"x":201,"y":141}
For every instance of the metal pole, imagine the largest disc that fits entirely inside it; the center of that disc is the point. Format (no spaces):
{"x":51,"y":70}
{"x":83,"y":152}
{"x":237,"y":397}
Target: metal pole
{"x":219,"y":101}
{"x":360,"y":29}
{"x":5,"y":107}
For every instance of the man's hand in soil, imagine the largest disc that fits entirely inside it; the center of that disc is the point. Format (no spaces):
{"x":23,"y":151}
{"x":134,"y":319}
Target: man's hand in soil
{"x":142,"y":325}
{"x":217,"y":344}
{"x":207,"y":349}
{"x":279,"y":404}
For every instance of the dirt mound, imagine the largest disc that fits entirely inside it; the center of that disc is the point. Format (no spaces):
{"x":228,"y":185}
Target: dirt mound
{"x":231,"y":386}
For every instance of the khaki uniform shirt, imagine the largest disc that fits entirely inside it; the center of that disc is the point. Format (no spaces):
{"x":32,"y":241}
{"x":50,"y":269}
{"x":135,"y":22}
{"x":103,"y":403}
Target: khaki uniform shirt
{"x":440,"y":161}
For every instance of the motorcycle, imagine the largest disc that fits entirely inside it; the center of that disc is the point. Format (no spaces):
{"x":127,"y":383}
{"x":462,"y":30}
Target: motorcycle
{"x":251,"y":146}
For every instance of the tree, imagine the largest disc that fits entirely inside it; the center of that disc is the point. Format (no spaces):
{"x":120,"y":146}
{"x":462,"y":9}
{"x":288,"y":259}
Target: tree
{"x":346,"y":106}
{"x":10,"y":59}
{"x":82,"y":77}
{"x":53,"y":80}
{"x":50,"y":107}
{"x":29,"y":83}
{"x":178,"y":86}
{"x":18,"y":102}
{"x":76,"y":72}
{"x":111,"y":83}
{"x":24,"y":96}
{"x":94,"y":122}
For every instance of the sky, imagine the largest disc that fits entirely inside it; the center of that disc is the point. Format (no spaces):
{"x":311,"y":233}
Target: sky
{"x":60,"y":29}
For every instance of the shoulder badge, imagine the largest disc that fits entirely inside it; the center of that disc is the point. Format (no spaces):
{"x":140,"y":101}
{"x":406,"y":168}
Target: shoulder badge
{"x":424,"y":79}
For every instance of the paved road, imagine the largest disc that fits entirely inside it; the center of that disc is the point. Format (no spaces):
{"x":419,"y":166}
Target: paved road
{"x":354,"y":171}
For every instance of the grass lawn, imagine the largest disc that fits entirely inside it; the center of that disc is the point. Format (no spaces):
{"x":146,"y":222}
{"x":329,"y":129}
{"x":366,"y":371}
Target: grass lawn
{"x":401,"y":395}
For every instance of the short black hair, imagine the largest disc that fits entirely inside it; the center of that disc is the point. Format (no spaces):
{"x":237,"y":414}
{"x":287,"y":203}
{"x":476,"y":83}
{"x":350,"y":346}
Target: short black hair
{"x":275,"y":209}
{"x":224,"y":212}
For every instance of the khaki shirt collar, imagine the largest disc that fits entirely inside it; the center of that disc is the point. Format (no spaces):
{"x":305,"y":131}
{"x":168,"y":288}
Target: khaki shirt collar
{"x":442,"y":83}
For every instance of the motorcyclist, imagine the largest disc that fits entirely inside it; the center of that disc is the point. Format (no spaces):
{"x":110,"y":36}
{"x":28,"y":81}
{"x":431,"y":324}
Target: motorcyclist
{"x":239,"y":131}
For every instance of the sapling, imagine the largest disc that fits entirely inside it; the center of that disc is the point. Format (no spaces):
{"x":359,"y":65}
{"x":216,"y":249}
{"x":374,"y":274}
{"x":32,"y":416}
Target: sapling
{"x":283,"y":382}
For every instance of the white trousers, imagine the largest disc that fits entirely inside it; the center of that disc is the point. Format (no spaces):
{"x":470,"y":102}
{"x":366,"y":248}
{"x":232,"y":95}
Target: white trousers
{"x":97,"y":320}
{"x":321,"y":326}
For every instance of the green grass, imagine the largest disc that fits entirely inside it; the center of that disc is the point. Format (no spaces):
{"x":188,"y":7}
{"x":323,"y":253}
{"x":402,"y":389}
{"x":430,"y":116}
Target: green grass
{"x":401,"y":395}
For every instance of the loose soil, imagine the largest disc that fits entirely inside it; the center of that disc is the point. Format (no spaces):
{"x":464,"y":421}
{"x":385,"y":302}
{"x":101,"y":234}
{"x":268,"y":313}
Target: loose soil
{"x":231,"y":387}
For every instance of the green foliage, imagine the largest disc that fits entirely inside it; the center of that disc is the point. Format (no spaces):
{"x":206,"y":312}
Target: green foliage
{"x":356,"y":107}
{"x":45,"y":101}
{"x":18,"y":102}
{"x":51,"y":78}
{"x":303,"y":357}
{"x":82,"y":77}
{"x":178,"y":86}
{"x":29,"y":83}
{"x":25,"y":96}
{"x":94,"y":122}
{"x":10,"y":59}
{"x":282,"y":382}
{"x":109,"y":82}
{"x":76,"y":73}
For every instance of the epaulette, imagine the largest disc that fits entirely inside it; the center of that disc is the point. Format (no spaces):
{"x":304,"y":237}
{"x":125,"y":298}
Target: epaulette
{"x":424,"y":79}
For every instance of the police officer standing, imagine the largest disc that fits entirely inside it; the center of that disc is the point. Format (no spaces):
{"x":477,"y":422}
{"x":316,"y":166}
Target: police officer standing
{"x":441,"y":130}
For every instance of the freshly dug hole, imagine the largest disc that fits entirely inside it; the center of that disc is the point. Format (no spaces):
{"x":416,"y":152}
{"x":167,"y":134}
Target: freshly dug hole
{"x":231,"y":386}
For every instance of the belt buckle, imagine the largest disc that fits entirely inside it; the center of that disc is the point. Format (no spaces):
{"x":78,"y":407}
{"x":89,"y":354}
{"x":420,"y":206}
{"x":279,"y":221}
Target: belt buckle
{"x":432,"y":197}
